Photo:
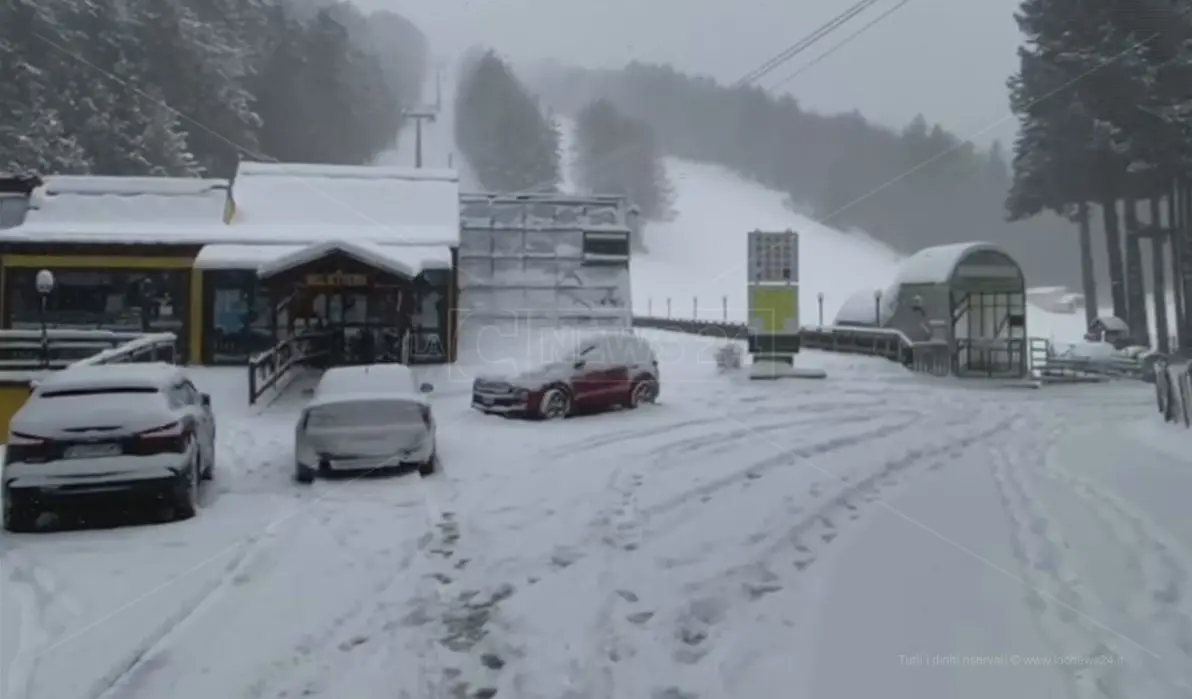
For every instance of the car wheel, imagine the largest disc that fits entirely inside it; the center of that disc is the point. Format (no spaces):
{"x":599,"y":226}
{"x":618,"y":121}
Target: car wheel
{"x":644,"y":391}
{"x":429,"y":467}
{"x":555,"y":405}
{"x":304,"y":474}
{"x":20,"y":517}
{"x":186,"y":503}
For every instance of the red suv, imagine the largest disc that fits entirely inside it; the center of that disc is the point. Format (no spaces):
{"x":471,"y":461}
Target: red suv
{"x":601,"y":371}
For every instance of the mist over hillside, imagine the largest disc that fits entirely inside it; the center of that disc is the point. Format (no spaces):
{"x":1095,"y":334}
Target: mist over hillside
{"x":910,"y":188}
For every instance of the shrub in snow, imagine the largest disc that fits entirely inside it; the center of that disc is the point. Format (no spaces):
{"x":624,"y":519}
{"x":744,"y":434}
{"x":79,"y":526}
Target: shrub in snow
{"x":729,"y":357}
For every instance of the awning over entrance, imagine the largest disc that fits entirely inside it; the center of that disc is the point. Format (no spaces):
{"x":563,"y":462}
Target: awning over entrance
{"x":399,"y":260}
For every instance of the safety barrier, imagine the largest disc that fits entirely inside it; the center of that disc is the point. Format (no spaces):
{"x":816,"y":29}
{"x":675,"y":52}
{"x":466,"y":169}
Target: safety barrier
{"x":267,"y":369}
{"x":31,"y":350}
{"x":728,"y":331}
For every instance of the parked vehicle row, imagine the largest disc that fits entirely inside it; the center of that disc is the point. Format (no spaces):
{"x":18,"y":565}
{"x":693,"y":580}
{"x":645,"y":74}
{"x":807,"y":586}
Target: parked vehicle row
{"x":144,"y":432}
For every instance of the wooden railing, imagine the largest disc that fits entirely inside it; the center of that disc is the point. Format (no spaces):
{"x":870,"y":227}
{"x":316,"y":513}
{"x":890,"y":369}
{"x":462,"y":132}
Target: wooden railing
{"x":29,"y":350}
{"x":267,"y":369}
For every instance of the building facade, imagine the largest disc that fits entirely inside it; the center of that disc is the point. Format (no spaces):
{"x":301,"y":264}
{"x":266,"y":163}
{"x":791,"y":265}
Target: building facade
{"x":233,"y":268}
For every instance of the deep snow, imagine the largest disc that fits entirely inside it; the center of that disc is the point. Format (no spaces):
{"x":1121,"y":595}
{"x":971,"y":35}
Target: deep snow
{"x":874,"y":534}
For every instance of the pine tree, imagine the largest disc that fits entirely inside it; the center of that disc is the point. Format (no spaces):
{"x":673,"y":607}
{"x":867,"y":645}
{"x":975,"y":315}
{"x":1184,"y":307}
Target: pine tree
{"x":617,"y":154}
{"x":501,"y":131}
{"x":33,"y":138}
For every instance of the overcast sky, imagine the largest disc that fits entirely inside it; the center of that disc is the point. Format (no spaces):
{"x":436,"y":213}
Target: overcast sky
{"x":946,"y":59}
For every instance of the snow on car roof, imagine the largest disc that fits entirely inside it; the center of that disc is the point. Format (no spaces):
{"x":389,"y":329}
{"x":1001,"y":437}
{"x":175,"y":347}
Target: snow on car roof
{"x":114,"y":375}
{"x":373,"y":381}
{"x":100,"y":376}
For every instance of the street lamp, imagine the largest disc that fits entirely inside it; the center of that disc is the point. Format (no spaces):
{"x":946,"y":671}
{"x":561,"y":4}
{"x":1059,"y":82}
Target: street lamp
{"x":820,"y":300}
{"x":145,"y":295}
{"x":45,"y":286}
{"x":877,"y":308}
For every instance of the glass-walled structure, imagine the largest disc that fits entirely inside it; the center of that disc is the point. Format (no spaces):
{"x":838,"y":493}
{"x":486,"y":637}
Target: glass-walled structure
{"x":973,"y":295}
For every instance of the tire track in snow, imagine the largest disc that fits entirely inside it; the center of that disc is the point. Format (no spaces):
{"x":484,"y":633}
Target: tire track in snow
{"x":122,"y":681}
{"x":698,"y":620}
{"x":758,"y":467}
{"x":39,"y":598}
{"x":650,"y":430}
{"x":1068,"y":611}
{"x":1161,"y":567}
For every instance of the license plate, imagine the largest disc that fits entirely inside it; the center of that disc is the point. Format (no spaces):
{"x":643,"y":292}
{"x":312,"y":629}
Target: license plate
{"x":91,"y":451}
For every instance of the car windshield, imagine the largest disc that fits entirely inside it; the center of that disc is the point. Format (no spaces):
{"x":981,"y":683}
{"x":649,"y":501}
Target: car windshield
{"x":364,"y":413}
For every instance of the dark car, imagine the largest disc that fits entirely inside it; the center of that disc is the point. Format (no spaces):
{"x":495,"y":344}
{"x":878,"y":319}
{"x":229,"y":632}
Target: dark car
{"x":601,"y":371}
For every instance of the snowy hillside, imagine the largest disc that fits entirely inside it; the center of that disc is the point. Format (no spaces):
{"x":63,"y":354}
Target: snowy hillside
{"x":698,"y":260}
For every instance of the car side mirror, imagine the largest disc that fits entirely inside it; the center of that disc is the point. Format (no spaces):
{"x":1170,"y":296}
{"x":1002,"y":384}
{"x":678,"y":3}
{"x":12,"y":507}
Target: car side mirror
{"x":205,"y":399}
{"x":426,"y":388}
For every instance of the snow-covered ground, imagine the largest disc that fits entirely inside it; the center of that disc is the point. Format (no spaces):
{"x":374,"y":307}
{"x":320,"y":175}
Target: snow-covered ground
{"x":875,"y":534}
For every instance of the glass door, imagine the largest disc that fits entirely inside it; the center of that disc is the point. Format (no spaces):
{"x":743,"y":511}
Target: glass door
{"x":990,"y":334}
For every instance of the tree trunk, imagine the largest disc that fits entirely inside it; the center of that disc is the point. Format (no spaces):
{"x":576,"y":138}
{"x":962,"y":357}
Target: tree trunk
{"x":1175,"y":222}
{"x":1158,"y":280}
{"x":1088,"y":270}
{"x":1138,"y":321}
{"x":1185,"y":270}
{"x":1113,"y":247}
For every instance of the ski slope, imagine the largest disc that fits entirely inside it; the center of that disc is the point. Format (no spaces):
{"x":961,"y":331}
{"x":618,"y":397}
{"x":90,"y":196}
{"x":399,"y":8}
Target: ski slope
{"x":877,"y":534}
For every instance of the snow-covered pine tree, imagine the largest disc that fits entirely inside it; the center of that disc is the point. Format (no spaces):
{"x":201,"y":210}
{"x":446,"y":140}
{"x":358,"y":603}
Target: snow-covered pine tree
{"x":617,"y":154}
{"x":33,"y":138}
{"x":1068,"y":152}
{"x":506,"y":138}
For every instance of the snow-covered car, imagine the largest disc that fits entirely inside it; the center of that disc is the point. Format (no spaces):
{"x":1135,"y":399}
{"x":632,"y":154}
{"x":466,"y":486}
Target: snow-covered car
{"x":366,"y":418}
{"x":139,"y":430}
{"x":602,"y":370}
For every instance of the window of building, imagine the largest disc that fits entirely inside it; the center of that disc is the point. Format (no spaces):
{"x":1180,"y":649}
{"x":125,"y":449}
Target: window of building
{"x":239,"y":319}
{"x":430,"y":316}
{"x":606,"y":247}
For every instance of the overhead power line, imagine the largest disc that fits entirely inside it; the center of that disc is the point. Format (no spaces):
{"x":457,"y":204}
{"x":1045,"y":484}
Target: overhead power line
{"x":838,"y":45}
{"x":804,"y":43}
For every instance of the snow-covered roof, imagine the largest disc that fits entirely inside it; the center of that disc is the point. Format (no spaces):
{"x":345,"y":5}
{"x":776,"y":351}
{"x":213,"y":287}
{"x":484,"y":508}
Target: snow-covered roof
{"x":402,"y":260}
{"x":399,"y":198}
{"x":937,"y":265}
{"x":252,"y":257}
{"x":217,"y":233}
{"x":94,"y":199}
{"x":858,"y":309}
{"x":1112,"y":324}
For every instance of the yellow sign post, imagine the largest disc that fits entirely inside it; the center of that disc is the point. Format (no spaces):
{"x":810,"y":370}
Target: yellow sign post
{"x":773,"y":302}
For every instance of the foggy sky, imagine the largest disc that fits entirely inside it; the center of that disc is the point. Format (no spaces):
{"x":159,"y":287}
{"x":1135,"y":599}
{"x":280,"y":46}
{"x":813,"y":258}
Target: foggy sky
{"x":946,"y":59}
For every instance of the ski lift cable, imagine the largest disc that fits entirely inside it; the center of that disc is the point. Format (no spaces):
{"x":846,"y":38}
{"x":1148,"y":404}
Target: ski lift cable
{"x":839,"y":45}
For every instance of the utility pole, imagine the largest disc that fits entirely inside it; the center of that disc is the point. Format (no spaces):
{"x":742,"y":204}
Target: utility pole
{"x":419,"y":117}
